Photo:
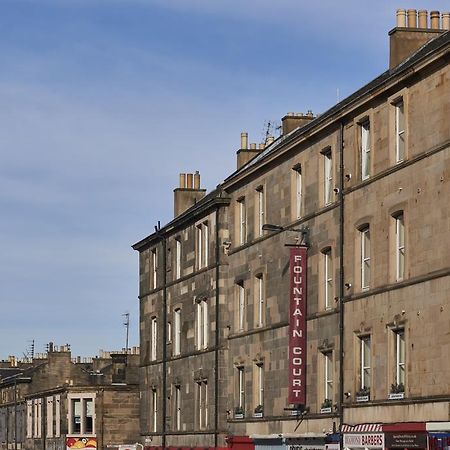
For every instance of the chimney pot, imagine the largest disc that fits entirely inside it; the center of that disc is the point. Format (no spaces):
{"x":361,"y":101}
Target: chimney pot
{"x":270,"y":139}
{"x":261,"y":146}
{"x":401,"y":18}
{"x":435,"y":19}
{"x":197,"y":180}
{"x":182,"y":180}
{"x":412,"y":18}
{"x":190,"y":181}
{"x":253,"y":146}
{"x":446,"y":21}
{"x":244,"y":140}
{"x":423,"y":18}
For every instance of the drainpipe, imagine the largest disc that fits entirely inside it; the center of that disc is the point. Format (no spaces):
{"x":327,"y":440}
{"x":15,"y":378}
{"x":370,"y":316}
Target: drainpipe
{"x":217,"y":337}
{"x":164,"y":386}
{"x":341,"y":276}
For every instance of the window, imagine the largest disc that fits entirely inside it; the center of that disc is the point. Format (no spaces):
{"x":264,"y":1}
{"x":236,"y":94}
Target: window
{"x":400,"y":357}
{"x":202,"y":245}
{"x":261,"y":200}
{"x":241,"y":387}
{"x":259,"y":384}
{"x":365,"y":257}
{"x":177,"y":258}
{"x":57,"y":415}
{"x":298,"y":189}
{"x":177,"y":332}
{"x":49,"y":417}
{"x":328,"y":176}
{"x":399,"y":131}
{"x":202,"y":404}
{"x":154,"y":267}
{"x":154,"y":410}
{"x":365,"y":150}
{"x":399,"y":246}
{"x":365,"y":357}
{"x":177,"y":408}
{"x":169,"y":332}
{"x":202,"y":324}
{"x":29,"y":418}
{"x":327,"y":278}
{"x":154,"y":334}
{"x":37,"y":417}
{"x":328,"y":375}
{"x":81,"y":414}
{"x":242,"y":221}
{"x":259,"y":300}
{"x":241,"y":307}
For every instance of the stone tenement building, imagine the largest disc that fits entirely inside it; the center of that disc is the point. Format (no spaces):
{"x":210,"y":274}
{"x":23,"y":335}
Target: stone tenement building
{"x":54,"y":402}
{"x":365,"y":189}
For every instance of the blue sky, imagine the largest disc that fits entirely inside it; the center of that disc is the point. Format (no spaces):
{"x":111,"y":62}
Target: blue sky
{"x":104,"y":102}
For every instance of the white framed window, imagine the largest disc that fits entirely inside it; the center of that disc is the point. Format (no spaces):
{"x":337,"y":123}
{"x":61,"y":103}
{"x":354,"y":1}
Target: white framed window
{"x":365,"y":150}
{"x":327,"y":278}
{"x":241,"y":387}
{"x":29,"y":418}
{"x":154,"y":410}
{"x":260,"y":384}
{"x":298,"y":191}
{"x":37,"y":418}
{"x":365,"y":362}
{"x":177,"y":331}
{"x":202,"y":404}
{"x":241,"y":306}
{"x":177,"y":407}
{"x":242,"y":214}
{"x":202,"y":323}
{"x":400,"y":133}
{"x":154,"y":268}
{"x":261,"y":210}
{"x":81,"y":414}
{"x":259,"y":300}
{"x":328,"y":375}
{"x":50,"y":416}
{"x":328,"y":176}
{"x":169,"y":332}
{"x":154,"y":334}
{"x":399,"y":246}
{"x":400,"y":356}
{"x":57,"y":415}
{"x":365,"y":257}
{"x":202,"y":245}
{"x":177,"y":258}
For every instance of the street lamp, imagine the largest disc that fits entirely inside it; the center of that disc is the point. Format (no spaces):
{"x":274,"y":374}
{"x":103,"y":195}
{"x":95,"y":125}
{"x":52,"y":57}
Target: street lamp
{"x":303,"y":240}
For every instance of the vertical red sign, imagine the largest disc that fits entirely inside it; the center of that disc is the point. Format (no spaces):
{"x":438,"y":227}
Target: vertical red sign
{"x":297,"y":327}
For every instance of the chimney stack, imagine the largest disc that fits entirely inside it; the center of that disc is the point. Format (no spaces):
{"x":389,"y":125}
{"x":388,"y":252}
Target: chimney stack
{"x":412,"y":31}
{"x":188,"y":193}
{"x":291,"y":121}
{"x":245,"y":154}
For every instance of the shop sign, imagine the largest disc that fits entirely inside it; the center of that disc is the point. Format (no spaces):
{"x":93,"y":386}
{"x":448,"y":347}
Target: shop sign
{"x":368,"y":440}
{"x":297,"y":327}
{"x":406,"y":440}
{"x":333,"y":446}
{"x":305,"y":447}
